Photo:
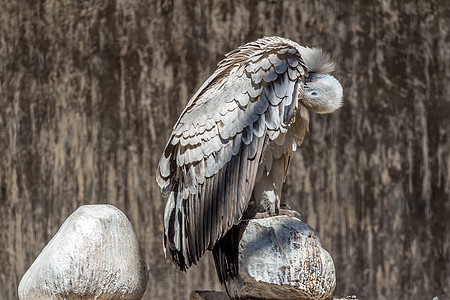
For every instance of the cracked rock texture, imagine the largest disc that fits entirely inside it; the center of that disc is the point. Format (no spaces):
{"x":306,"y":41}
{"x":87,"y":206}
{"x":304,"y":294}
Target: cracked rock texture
{"x":281,"y":258}
{"x":215,"y":295}
{"x":94,"y":255}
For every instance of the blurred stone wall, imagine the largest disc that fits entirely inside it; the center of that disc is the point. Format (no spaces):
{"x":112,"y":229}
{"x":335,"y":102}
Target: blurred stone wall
{"x":89,"y":91}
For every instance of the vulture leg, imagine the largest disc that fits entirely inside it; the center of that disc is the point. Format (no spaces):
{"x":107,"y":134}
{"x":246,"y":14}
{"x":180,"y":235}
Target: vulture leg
{"x":267,"y":191}
{"x":290,"y":213}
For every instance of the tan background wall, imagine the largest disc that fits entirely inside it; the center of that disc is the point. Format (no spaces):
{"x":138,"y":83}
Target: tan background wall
{"x":90,"y":90}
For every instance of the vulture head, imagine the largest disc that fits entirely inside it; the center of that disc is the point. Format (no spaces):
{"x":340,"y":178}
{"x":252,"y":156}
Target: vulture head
{"x":322,"y":92}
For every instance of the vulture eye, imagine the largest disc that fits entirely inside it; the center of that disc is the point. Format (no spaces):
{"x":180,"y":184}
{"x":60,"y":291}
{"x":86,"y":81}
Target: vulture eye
{"x":314,"y":93}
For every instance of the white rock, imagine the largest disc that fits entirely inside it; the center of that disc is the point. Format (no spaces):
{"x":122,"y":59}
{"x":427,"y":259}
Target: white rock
{"x":94,"y":255}
{"x":281,"y":258}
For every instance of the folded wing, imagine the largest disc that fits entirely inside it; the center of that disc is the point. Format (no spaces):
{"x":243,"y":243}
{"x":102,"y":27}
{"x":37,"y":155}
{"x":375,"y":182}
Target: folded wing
{"x":209,"y":165}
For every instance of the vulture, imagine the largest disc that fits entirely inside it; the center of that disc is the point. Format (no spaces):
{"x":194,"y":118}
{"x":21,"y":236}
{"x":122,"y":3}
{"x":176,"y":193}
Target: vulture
{"x":230,"y":150}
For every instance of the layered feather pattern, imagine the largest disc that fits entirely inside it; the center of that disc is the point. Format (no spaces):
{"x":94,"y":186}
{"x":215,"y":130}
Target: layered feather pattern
{"x":210,"y":163}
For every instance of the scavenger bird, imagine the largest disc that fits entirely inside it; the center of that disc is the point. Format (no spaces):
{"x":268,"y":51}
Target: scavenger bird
{"x":230,"y":150}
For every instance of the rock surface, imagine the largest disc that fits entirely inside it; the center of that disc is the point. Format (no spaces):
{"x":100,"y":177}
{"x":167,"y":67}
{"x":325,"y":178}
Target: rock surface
{"x":281,"y":258}
{"x":94,"y":255}
{"x":215,"y":295}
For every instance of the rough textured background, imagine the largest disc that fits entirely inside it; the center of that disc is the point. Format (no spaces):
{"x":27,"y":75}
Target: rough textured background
{"x":90,"y":89}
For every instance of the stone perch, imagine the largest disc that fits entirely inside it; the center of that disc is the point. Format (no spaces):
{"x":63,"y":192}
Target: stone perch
{"x":281,"y":257}
{"x":94,"y":255}
{"x":277,"y":257}
{"x":215,"y":295}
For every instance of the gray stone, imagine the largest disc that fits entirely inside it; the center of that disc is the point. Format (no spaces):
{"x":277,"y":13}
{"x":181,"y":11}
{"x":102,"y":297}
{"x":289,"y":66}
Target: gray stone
{"x":94,"y":255}
{"x":281,"y":258}
{"x":215,"y":295}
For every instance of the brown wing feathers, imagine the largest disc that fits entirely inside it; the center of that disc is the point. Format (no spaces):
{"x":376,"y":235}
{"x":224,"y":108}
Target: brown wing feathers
{"x":209,"y":166}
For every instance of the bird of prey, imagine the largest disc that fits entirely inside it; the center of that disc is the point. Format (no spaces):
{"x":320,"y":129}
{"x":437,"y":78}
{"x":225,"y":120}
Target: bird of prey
{"x":233,"y":142}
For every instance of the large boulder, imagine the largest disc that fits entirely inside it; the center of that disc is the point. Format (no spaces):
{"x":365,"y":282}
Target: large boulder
{"x":281,"y":257}
{"x":94,"y":255}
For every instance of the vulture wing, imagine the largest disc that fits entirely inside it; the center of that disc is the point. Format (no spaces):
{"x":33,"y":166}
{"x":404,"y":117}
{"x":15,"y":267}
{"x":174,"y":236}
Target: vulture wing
{"x":209,"y":165}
